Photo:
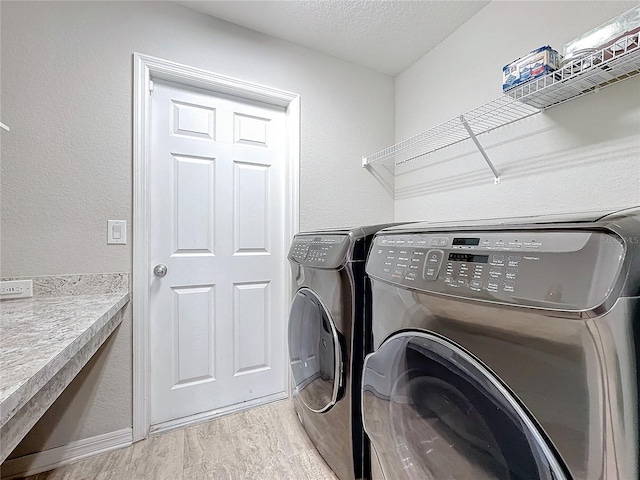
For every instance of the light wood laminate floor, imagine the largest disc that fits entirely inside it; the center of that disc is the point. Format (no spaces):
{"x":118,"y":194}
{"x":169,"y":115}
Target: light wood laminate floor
{"x":263,"y":443}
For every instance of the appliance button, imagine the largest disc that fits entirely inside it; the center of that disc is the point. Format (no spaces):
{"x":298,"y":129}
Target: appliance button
{"x":475,"y":284}
{"x":432,"y":265}
{"x":498,"y":258}
{"x":434,"y":256}
{"x":443,"y":242}
{"x":397,"y":273}
{"x":386,"y":270}
{"x":419,"y":252}
{"x":413,"y":266}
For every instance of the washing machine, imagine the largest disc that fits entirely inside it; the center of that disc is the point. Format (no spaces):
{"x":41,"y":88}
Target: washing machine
{"x":329,"y":335}
{"x":505,"y":350}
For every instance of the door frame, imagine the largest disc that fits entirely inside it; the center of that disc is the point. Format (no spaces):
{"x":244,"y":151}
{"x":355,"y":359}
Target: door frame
{"x":146,"y":68}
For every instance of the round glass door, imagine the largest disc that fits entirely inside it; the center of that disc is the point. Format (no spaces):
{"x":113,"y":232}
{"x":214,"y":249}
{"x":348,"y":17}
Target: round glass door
{"x":433,"y":411}
{"x":314,"y":352}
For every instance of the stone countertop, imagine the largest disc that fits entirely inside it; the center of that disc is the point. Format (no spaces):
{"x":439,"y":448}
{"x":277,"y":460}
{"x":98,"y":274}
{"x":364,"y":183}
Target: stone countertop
{"x":39,"y":336}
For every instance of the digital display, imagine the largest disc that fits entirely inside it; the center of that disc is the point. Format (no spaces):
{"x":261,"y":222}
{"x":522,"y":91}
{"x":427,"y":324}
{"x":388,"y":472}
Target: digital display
{"x":468,"y":257}
{"x":466,"y":241}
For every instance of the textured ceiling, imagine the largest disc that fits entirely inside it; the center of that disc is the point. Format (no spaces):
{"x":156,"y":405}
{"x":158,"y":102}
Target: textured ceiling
{"x":386,"y":36}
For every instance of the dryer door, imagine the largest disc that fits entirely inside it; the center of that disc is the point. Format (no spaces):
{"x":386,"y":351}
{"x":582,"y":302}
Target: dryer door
{"x":314,"y":352}
{"x":433,"y":411}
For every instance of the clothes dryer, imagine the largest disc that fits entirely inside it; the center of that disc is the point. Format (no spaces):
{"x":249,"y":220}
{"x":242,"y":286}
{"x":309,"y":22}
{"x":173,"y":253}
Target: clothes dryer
{"x":505,"y":350}
{"x":329,"y":335}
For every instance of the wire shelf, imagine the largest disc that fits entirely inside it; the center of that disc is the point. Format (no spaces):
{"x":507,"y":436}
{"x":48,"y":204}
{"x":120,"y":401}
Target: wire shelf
{"x":584,"y":75}
{"x":483,"y":119}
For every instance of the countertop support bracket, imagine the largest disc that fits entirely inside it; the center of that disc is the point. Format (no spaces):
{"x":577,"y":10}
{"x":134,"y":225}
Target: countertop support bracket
{"x":473,"y":137}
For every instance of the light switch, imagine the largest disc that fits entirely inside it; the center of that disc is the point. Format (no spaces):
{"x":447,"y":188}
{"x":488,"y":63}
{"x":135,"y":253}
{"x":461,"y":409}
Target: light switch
{"x":116,"y":232}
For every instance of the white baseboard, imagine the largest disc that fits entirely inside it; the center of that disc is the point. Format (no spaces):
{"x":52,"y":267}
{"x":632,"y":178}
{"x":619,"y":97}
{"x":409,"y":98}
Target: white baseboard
{"x":59,"y":456}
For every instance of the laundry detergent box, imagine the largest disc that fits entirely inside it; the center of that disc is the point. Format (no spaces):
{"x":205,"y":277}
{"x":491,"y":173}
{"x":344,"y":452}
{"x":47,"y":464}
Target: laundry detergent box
{"x":534,"y":64}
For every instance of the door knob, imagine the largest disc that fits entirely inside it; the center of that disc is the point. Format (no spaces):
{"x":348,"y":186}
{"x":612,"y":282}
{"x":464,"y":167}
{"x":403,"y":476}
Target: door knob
{"x":160,"y":270}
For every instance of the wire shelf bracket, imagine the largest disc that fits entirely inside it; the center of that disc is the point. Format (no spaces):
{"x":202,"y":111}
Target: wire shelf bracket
{"x":472,"y":136}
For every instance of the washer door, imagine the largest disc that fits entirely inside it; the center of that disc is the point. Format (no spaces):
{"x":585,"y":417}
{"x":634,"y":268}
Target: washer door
{"x":314,"y":352}
{"x":433,"y":411}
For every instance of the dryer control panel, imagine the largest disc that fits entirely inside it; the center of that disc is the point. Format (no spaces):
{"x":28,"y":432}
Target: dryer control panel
{"x":321,"y":251}
{"x":558,"y":269}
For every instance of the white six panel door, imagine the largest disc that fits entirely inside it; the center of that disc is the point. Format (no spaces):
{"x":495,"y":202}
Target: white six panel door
{"x":217,"y":222}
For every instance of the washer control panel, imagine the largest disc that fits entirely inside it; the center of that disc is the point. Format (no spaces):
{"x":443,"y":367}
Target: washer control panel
{"x":323,"y":251}
{"x":560,"y":269}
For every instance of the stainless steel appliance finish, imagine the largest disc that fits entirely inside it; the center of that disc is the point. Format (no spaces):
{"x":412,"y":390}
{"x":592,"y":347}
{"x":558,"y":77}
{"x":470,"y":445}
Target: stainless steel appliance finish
{"x":329,"y":335}
{"x":505,"y":350}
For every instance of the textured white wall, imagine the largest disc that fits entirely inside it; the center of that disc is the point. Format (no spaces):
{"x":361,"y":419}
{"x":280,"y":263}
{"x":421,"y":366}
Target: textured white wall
{"x":580,"y":156}
{"x":67,"y":86}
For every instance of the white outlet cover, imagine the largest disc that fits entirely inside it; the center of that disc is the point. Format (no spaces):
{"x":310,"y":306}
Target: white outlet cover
{"x":116,"y":232}
{"x":16,"y":289}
